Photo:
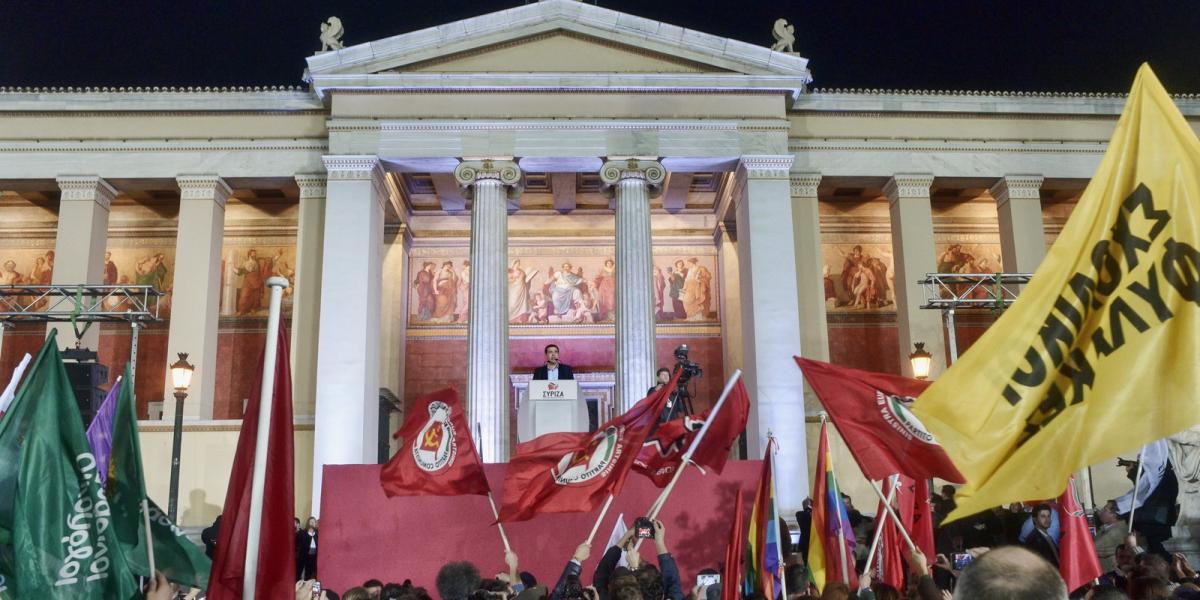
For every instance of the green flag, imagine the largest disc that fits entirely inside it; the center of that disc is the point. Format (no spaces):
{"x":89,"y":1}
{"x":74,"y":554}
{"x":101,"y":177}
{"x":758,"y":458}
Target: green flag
{"x":55,"y":535}
{"x":174,"y":554}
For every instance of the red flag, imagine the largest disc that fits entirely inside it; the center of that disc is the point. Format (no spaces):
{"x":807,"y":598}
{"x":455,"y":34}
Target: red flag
{"x":921,"y":528}
{"x":662,"y":453}
{"x":276,"y":557}
{"x":871,"y":411}
{"x":890,"y":561}
{"x":1077,"y":559}
{"x":731,"y":571}
{"x":437,"y":456}
{"x":576,"y":472}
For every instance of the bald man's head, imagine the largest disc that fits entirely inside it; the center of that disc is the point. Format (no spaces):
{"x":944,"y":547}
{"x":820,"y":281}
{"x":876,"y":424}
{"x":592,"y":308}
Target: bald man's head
{"x":1010,"y":573}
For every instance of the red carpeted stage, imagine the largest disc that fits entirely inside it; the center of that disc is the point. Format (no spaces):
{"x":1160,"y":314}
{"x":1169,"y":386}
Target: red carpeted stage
{"x":366,"y":535}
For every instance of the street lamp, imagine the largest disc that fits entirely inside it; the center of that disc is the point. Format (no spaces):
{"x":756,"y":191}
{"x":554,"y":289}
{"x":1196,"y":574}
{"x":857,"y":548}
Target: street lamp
{"x":181,"y":378}
{"x":922,"y":361}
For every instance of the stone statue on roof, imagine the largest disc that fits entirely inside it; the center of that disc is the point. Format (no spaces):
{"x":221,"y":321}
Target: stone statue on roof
{"x":785,"y":36}
{"x":331,"y":34}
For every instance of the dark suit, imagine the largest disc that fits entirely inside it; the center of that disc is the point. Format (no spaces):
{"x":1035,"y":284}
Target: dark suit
{"x":1040,"y":544}
{"x":564,"y":372}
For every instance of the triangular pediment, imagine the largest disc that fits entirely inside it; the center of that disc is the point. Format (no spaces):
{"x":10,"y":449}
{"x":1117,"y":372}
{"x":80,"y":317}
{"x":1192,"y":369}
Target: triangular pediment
{"x":556,"y":36}
{"x":560,"y":51}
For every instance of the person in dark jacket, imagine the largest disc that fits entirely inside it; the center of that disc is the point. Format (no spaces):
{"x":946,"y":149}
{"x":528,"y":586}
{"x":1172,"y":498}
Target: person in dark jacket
{"x":209,"y":537}
{"x":662,"y":583}
{"x":306,"y":551}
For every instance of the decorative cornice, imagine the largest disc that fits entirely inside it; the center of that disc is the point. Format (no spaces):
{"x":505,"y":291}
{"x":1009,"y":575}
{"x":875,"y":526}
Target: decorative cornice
{"x":766,"y":166}
{"x":336,"y":125}
{"x":204,"y":187}
{"x":908,"y":185}
{"x":508,"y":173}
{"x":945,"y":146}
{"x":649,"y":171}
{"x":151,"y":89}
{"x":320,"y":145}
{"x":804,"y":185}
{"x":86,"y":188}
{"x":1020,"y":187}
{"x":312,"y":185}
{"x":1002,"y":94}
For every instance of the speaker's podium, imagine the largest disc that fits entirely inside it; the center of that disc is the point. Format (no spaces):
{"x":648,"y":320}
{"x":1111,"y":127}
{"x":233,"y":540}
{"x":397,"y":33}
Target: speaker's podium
{"x":550,"y":407}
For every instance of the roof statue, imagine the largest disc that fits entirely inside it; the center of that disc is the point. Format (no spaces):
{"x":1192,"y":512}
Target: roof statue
{"x":785,"y":36}
{"x":331,"y":34}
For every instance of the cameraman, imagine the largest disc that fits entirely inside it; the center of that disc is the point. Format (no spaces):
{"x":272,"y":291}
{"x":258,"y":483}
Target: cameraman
{"x":661,"y":379}
{"x":662,"y":583}
{"x":681,"y":399}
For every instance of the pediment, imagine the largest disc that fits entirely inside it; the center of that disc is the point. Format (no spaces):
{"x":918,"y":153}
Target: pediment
{"x":560,"y":51}
{"x":558,"y":36}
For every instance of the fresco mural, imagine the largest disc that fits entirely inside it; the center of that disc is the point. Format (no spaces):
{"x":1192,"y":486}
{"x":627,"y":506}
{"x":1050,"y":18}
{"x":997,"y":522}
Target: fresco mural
{"x":562,"y":286}
{"x":142,"y":265}
{"x":245,"y":268}
{"x":858,"y":277}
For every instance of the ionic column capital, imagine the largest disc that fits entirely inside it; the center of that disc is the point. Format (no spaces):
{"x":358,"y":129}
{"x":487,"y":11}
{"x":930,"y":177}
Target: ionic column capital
{"x":312,"y":185}
{"x":204,"y":187}
{"x":908,"y":185}
{"x":650,"y":171}
{"x":86,"y":188}
{"x":1019,"y":187}
{"x":804,"y":185}
{"x":508,"y":173}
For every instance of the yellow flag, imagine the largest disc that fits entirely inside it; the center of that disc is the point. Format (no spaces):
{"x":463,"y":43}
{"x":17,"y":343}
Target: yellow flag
{"x":1101,"y":352}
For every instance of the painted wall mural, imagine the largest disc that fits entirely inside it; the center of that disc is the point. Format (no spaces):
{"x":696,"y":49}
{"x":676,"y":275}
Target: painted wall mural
{"x":142,"y":265}
{"x":245,"y":267}
{"x":859,"y":277}
{"x":562,"y":286}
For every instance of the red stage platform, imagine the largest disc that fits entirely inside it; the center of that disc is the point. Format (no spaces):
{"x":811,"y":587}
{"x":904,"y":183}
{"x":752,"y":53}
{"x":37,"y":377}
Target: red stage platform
{"x":366,"y":535}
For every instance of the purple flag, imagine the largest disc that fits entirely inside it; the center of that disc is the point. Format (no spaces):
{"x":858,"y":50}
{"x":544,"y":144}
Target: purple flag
{"x":99,"y":433}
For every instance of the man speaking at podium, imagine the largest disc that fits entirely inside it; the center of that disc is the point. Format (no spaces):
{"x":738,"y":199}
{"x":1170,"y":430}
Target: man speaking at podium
{"x":553,"y":370}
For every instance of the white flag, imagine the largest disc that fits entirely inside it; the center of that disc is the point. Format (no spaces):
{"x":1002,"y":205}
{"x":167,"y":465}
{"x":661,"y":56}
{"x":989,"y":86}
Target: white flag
{"x":618,"y":531}
{"x":10,"y":391}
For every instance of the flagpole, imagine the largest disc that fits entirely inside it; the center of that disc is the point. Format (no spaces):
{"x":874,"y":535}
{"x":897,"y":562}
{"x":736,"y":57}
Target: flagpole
{"x":841,"y":530}
{"x":499,"y":525}
{"x":603,"y":511}
{"x":892,"y":513}
{"x":687,"y":456}
{"x":879,"y":527}
{"x":1136,"y":479}
{"x":149,"y":538}
{"x":775,"y":505}
{"x":266,"y":396}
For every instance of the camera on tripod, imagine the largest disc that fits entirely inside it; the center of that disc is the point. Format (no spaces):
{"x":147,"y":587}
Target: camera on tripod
{"x":689,"y":368}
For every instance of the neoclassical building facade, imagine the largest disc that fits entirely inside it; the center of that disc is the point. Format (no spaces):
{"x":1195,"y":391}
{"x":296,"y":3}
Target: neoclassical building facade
{"x":446,"y":202}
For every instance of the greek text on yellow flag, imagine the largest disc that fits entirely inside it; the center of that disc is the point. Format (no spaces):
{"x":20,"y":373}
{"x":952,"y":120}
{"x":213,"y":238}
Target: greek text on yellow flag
{"x":1101,"y":352}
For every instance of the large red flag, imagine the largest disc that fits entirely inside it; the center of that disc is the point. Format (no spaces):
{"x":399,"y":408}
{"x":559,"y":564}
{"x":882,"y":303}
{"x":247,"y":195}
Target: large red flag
{"x":276,"y":556}
{"x":890,"y":561}
{"x":1077,"y":559}
{"x":871,"y":411}
{"x":920,"y":527}
{"x":437,"y":456}
{"x":576,"y":472}
{"x":735,"y":553}
{"x":662,"y":453}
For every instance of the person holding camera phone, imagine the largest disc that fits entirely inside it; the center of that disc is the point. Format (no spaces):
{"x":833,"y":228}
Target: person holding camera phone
{"x":655,"y":584}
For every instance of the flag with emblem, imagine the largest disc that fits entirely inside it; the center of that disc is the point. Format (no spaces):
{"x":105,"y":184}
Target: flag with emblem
{"x":576,"y":472}
{"x":1107,"y":330}
{"x":437,"y":456}
{"x":871,"y":411}
{"x":663,"y":451}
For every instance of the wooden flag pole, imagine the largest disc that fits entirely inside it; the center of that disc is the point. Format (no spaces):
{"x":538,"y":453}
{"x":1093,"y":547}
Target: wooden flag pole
{"x":603,"y":511}
{"x":1136,"y":478}
{"x":879,"y":527}
{"x":266,"y":396}
{"x":892,"y":513}
{"x":149,"y":538}
{"x":499,"y":525}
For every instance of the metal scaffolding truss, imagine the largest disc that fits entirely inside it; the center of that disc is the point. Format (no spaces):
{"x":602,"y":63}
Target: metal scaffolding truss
{"x":136,"y":305}
{"x":952,"y":291}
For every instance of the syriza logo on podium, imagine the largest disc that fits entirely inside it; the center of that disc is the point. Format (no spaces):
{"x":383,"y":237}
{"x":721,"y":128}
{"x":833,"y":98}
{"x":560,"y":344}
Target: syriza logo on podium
{"x":552,"y":392}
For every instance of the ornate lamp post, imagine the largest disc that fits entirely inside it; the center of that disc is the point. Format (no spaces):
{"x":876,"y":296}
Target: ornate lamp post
{"x":181,"y":378}
{"x":922,"y":361}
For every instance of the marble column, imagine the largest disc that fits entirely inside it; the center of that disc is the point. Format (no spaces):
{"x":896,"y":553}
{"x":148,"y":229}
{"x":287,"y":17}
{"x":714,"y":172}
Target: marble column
{"x":725,"y":237}
{"x":82,"y":240}
{"x":810,"y":288}
{"x":912,"y":245}
{"x":346,"y":428}
{"x":631,"y":183}
{"x":489,"y":184}
{"x":771,"y":332}
{"x":1022,"y":233}
{"x":306,"y":296}
{"x":195,"y":298}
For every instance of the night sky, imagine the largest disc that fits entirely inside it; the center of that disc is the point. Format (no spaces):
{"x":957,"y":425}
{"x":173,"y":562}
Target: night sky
{"x":1047,"y":45}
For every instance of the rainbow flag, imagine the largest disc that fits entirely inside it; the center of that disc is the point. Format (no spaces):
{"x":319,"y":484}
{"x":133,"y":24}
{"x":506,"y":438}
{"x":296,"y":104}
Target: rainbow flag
{"x":829,"y":516}
{"x":763,"y":567}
